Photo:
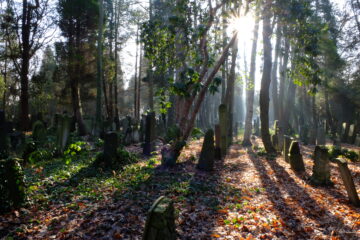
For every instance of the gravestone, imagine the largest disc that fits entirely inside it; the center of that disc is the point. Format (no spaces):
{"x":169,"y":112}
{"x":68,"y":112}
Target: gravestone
{"x":352,"y":134}
{"x":321,"y":168}
{"x":142,"y":128}
{"x":217,"y":142}
{"x":207,"y":155}
{"x":357,"y":140}
{"x":257,"y":126}
{"x":223,"y":129}
{"x":345,"y":132}
{"x":110,"y":148}
{"x":295,"y":158}
{"x":160,"y":222}
{"x":275,"y":141}
{"x":12,"y":186}
{"x":63,"y":132}
{"x":39,"y":133}
{"x":150,"y":136}
{"x":17,"y":140}
{"x":348,"y":181}
{"x":4,"y":140}
{"x":236,"y":131}
{"x":286,"y":147}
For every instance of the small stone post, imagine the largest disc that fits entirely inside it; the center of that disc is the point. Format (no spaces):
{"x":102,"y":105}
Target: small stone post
{"x":295,"y":157}
{"x":348,"y":181}
{"x":321,"y":168}
{"x":207,"y":155}
{"x":160,"y":222}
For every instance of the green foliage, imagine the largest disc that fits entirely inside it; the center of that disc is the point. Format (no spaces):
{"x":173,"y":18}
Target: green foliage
{"x":126,"y":157}
{"x":335,"y":151}
{"x":75,"y":150}
{"x":41,"y":155}
{"x":197,"y":133}
{"x":172,"y":134}
{"x":12,"y":186}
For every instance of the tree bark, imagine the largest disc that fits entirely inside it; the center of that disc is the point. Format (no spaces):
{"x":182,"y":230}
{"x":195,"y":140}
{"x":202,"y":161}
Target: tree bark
{"x":266,"y":79}
{"x":274,"y":82}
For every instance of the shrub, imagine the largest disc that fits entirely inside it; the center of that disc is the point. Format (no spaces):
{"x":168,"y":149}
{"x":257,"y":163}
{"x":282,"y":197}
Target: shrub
{"x":41,"y":155}
{"x":335,"y":151}
{"x":12,"y":186}
{"x":197,"y":133}
{"x":75,"y":150}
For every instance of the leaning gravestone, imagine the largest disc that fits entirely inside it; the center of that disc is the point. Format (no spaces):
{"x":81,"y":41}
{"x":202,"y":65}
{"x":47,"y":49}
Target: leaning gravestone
{"x":150,"y":126}
{"x":348,"y":181}
{"x":63,"y":132}
{"x":321,"y":168}
{"x":160,"y":222}
{"x":223,"y":129}
{"x":357,"y":140}
{"x":217,"y":142}
{"x":110,"y":148}
{"x":207,"y":155}
{"x":39,"y":133}
{"x":12,"y":186}
{"x":275,"y":141}
{"x":286,"y":147}
{"x":295,"y":157}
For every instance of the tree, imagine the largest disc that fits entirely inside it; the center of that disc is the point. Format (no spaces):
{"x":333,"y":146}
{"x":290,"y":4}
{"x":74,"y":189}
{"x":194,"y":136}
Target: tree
{"x":250,"y":85}
{"x":78,"y":23}
{"x":266,"y":78}
{"x":32,"y":24}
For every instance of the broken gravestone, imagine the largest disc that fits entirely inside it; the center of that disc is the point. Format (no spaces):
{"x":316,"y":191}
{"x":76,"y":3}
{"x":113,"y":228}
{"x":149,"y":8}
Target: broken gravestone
{"x":321,"y":168}
{"x":217,"y":142}
{"x":207,"y":155}
{"x":348,"y":181}
{"x":12,"y":186}
{"x":286,"y":147}
{"x":223,"y":129}
{"x":160,"y":222}
{"x":295,"y":158}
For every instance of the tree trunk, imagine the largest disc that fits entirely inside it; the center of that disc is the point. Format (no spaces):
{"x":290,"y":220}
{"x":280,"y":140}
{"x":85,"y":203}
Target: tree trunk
{"x":266,"y":79}
{"x":229,"y":97}
{"x":25,"y":62}
{"x":99,"y":72}
{"x":274,"y":81}
{"x":250,"y":85}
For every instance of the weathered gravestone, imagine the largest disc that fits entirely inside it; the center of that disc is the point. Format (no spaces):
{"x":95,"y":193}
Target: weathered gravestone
{"x":348,"y":181}
{"x":352,"y":134}
{"x":63,"y":132}
{"x":223,"y":129}
{"x":257,"y":126}
{"x":150,"y":136}
{"x":39,"y":133}
{"x":12,"y":186}
{"x":160,"y":222}
{"x":110,"y":148}
{"x":345,"y":132}
{"x":207,"y":155}
{"x":295,"y":158}
{"x":321,"y":168}
{"x":357,"y":140}
{"x":217,"y":142}
{"x":286,"y":147}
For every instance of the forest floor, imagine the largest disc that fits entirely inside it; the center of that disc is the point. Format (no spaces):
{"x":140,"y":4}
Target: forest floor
{"x":248,"y":196}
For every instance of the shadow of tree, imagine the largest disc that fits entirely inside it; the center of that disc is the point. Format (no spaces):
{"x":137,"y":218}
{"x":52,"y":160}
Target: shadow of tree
{"x":308,"y":205}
